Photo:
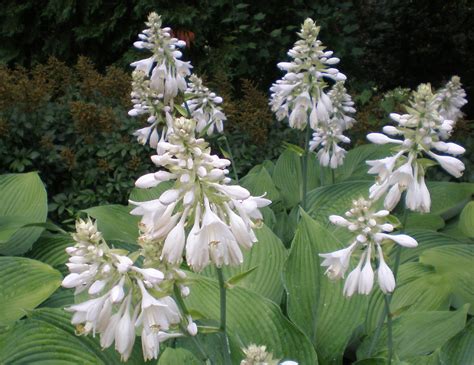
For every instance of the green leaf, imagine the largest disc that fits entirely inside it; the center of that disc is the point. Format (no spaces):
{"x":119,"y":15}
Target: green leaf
{"x":51,"y":249}
{"x":287,"y":176}
{"x":455,"y":264}
{"x":24,"y":285}
{"x":315,"y":303}
{"x":418,"y":334}
{"x":22,"y":195}
{"x":261,"y":183}
{"x":178,"y":356}
{"x":460,"y":349}
{"x":466,"y":220}
{"x":48,"y":338}
{"x":424,"y":221}
{"x":230,"y":283}
{"x":355,"y":166}
{"x":115,"y":222}
{"x":448,"y":199}
{"x":252,"y":319}
{"x":141,"y":195}
{"x":267,"y":258}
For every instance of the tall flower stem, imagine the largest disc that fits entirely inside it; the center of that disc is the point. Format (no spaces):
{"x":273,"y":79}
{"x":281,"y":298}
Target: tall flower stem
{"x":388,"y":297}
{"x":222,"y":291}
{"x":231,"y":157}
{"x":305,"y":166}
{"x":333,"y":178}
{"x":184,"y":310}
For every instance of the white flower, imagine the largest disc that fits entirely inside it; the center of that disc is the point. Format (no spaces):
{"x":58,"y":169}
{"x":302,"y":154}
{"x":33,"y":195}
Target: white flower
{"x":125,"y":332}
{"x":451,"y":98}
{"x":369,"y":228}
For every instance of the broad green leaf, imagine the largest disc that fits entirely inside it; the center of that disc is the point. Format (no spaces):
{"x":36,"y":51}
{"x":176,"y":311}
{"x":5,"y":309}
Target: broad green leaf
{"x":424,"y":221}
{"x":261,"y":183}
{"x":172,"y":356}
{"x":315,"y":303}
{"x":287,"y":176}
{"x":460,"y":349}
{"x":47,"y":337}
{"x":355,"y":166}
{"x":417,"y":334}
{"x":285,"y":225}
{"x":419,"y":289}
{"x":24,"y":284}
{"x":23,"y":196}
{"x":267,"y":256}
{"x":426,"y":239}
{"x":252,"y":319}
{"x":466,"y":220}
{"x":455,"y":264}
{"x":51,"y":249}
{"x":115,"y":222}
{"x":448,"y":199}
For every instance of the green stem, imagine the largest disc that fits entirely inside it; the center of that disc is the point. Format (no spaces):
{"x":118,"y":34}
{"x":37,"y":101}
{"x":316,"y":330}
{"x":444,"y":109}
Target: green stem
{"x":305,"y":166}
{"x":222,"y":291}
{"x":387,"y":299}
{"x":333,"y":178}
{"x":184,"y":310}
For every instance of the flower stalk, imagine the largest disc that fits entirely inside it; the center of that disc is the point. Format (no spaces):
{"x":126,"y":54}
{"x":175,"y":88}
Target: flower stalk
{"x":223,"y":310}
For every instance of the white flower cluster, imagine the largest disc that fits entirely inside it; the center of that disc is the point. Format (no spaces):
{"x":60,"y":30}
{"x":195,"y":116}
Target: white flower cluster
{"x":222,"y":216}
{"x":369,"y":228}
{"x":124,"y":297}
{"x":204,"y":106}
{"x":258,"y":355}
{"x":327,"y":135}
{"x":161,"y":78}
{"x":300,"y":95}
{"x":300,"y":91}
{"x":423,"y":130}
{"x":451,"y":98}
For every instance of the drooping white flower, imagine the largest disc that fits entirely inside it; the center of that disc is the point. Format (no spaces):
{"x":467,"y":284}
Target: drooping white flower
{"x":422,"y":130}
{"x":371,"y":230}
{"x":222,"y":216}
{"x":204,"y":106}
{"x":451,"y":98}
{"x":299,"y":95}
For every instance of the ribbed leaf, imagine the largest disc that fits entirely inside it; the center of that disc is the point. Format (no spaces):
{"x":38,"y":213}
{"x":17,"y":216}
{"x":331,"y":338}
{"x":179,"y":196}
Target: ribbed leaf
{"x":260,"y":183}
{"x":424,"y":221}
{"x":316,"y":304}
{"x":466,"y":220}
{"x":287,"y":176}
{"x":115,"y":222}
{"x":418,"y":334}
{"x":448,"y":199}
{"x":51,"y":249}
{"x":355,"y":166}
{"x":24,"y":284}
{"x":48,"y":338}
{"x":267,"y":256}
{"x":23,"y":196}
{"x":178,"y":356}
{"x":252,"y":319}
{"x":460,"y":349}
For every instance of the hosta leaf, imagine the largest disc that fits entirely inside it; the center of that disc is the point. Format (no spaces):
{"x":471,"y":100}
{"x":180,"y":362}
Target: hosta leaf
{"x":23,"y":196}
{"x":455,"y":264}
{"x":178,"y":356}
{"x":140,"y":195}
{"x":316,"y":304}
{"x":24,"y":284}
{"x":287,"y":176}
{"x":260,"y":183}
{"x":51,"y":249}
{"x":466,"y":220}
{"x":115,"y":222}
{"x":355,"y":166}
{"x":424,"y":221}
{"x":460,"y":349}
{"x":448,"y":199}
{"x":267,"y":258}
{"x":417,"y":334}
{"x":252,"y":319}
{"x":47,"y":337}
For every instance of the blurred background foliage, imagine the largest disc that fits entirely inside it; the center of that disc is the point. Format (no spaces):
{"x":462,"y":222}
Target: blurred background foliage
{"x":64,"y":79}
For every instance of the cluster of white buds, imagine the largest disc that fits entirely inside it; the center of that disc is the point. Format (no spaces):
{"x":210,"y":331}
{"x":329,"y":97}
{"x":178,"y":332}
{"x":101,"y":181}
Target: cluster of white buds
{"x":370,"y":229}
{"x":221,"y":216}
{"x":157,"y":80}
{"x":301,"y":91}
{"x":123,"y":298}
{"x":451,"y":98}
{"x":327,"y":135}
{"x":258,"y":355}
{"x":422,"y":129}
{"x":204,"y":107}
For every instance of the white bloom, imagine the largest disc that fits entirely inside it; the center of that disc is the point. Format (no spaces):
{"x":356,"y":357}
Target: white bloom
{"x":337,"y":262}
{"x":384,"y":274}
